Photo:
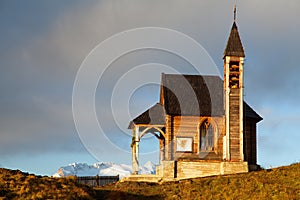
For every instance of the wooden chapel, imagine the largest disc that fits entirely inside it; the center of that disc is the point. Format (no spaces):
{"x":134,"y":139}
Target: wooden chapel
{"x":203,"y":124}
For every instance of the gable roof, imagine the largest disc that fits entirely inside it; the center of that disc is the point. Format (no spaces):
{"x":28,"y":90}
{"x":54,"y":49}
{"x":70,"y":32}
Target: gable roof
{"x":189,"y":95}
{"x":234,"y":45}
{"x":192,"y":95}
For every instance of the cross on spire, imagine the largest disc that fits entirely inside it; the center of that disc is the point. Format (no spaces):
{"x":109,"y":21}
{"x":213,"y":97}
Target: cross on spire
{"x":234,"y":12}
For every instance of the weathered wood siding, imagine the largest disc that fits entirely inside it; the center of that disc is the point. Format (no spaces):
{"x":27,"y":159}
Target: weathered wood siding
{"x":191,"y":169}
{"x":234,"y":124}
{"x":188,"y":126}
{"x":197,"y":169}
{"x":250,"y":142}
{"x":169,"y":137}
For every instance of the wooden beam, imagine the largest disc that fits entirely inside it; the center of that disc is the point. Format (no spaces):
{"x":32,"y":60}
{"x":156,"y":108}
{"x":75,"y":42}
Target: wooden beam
{"x":135,"y":150}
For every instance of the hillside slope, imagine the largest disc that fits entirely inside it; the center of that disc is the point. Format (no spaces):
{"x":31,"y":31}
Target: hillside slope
{"x":278,"y":183}
{"x":15,"y":184}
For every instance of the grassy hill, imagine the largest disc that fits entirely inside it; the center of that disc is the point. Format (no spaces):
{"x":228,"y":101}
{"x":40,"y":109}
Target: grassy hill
{"x":278,"y":183}
{"x":15,"y":184}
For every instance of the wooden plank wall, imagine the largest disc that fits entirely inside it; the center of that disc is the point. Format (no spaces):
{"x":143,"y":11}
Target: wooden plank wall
{"x":250,"y":143}
{"x":169,"y":138}
{"x":193,"y":169}
{"x":234,"y":124}
{"x":197,"y":169}
{"x":188,"y":126}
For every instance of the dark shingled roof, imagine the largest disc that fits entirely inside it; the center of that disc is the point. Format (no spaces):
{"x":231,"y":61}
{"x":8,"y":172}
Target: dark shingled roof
{"x":153,"y":116}
{"x":234,"y":45}
{"x":193,"y":95}
{"x":250,"y":113}
{"x":189,"y":95}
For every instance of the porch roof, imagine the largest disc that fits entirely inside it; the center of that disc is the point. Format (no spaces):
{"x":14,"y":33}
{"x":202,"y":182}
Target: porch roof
{"x":153,"y":116}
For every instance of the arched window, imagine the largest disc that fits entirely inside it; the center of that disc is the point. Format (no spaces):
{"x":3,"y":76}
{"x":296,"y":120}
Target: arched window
{"x":206,"y":136}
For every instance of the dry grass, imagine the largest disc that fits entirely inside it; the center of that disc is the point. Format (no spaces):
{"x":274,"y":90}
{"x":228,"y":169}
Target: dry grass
{"x":279,"y":183}
{"x":15,"y":184}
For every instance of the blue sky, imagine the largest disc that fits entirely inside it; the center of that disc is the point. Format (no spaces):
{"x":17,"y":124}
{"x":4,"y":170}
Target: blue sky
{"x":43,"y":44}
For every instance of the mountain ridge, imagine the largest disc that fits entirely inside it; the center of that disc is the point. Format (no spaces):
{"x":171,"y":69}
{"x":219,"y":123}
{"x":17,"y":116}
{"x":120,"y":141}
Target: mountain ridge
{"x":102,"y":169}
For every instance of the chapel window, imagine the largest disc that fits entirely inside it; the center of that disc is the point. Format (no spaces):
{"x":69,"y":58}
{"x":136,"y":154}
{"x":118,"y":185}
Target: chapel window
{"x":206,"y":136}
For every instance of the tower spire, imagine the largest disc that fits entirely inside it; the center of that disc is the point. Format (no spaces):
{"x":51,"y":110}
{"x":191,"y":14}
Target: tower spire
{"x":234,"y":45}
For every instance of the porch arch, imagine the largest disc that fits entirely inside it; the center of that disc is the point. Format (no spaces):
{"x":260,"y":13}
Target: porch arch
{"x":144,"y":132}
{"x":137,"y":136}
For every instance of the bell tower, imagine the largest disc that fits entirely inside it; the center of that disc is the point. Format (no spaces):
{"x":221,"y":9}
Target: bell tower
{"x":233,"y":89}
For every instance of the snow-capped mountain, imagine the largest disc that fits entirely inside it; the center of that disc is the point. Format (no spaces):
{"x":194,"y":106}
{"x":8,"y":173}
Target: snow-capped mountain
{"x":102,"y":169}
